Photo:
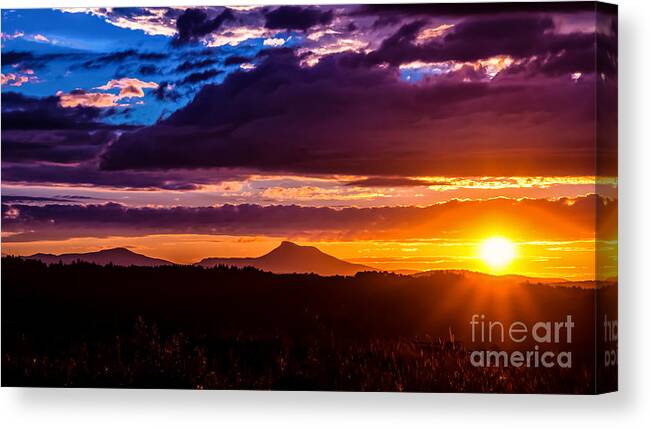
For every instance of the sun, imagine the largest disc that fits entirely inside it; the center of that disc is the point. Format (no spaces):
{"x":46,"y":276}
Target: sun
{"x":497,"y":252}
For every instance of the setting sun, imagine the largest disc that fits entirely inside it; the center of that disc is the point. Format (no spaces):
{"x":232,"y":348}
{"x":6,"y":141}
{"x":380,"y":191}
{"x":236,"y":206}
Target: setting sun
{"x":497,"y":252}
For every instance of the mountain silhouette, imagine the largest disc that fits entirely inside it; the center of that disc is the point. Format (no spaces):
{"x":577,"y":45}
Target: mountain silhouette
{"x":473,"y":277}
{"x":292,"y":258}
{"x":117,"y":256}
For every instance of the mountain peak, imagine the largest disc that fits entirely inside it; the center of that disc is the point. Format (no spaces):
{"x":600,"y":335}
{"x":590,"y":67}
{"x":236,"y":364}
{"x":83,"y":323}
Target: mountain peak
{"x":289,"y":257}
{"x":117,"y":250}
{"x":288,"y":244}
{"x":290,"y":249}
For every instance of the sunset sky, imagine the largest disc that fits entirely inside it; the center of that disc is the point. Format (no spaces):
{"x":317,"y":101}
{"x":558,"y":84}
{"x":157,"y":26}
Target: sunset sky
{"x":399,"y":137}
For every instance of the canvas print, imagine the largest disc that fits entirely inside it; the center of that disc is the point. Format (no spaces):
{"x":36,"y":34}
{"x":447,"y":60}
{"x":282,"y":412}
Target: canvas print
{"x":396,"y":197}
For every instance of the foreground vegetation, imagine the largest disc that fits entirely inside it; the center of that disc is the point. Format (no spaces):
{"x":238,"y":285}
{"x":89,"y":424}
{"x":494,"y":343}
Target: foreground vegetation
{"x":187,"y":327}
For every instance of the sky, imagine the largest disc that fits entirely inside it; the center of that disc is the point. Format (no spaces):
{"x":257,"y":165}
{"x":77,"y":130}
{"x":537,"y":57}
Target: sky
{"x":400,"y":137}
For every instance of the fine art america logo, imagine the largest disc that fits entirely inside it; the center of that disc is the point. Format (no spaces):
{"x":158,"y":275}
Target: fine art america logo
{"x":541,"y":334}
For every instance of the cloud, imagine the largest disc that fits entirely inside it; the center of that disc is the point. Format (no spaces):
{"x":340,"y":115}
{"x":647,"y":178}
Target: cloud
{"x":149,"y":70}
{"x":12,"y":36}
{"x":29,"y":60}
{"x":21,"y":112}
{"x":554,"y":219}
{"x":152,"y":21}
{"x":490,"y":94}
{"x":18,"y":78}
{"x":25,"y":199}
{"x":469,"y":40}
{"x":41,"y":38}
{"x":129,"y":87}
{"x":56,"y":145}
{"x":236,"y":60}
{"x":199,"y":77}
{"x":166,"y":91}
{"x":194,"y":65}
{"x":462,"y":10}
{"x":235,"y":35}
{"x":194,"y":24}
{"x":313,"y":54}
{"x":532,"y":41}
{"x":297,"y":18}
{"x":82,"y":98}
{"x":103,"y":60}
{"x":82,"y":171}
{"x":284,"y":117}
{"x":40,"y":129}
{"x":390,"y":182}
{"x":274,"y":42}
{"x":16,"y":57}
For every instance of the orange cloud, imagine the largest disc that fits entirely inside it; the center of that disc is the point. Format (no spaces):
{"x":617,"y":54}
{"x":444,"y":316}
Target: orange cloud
{"x":431,"y":33}
{"x":488,"y":66}
{"x":18,"y":79}
{"x":81,"y":98}
{"x":129,"y":88}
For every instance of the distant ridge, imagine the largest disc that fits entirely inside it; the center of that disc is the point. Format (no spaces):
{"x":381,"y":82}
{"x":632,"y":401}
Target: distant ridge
{"x":116,"y":256}
{"x":289,"y":257}
{"x":483,"y":277}
{"x":292,"y":258}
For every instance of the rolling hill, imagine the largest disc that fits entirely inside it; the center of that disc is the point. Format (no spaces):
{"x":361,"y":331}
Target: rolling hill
{"x":117,"y":256}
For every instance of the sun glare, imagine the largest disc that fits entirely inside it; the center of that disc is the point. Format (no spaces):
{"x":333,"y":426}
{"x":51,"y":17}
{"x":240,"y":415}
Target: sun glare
{"x":497,"y":252}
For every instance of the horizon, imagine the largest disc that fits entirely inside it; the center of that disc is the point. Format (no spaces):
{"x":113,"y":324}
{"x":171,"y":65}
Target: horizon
{"x":282,"y":242}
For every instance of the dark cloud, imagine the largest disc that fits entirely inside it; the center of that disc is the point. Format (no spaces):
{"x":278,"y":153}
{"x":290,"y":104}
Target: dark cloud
{"x":86,"y":174}
{"x":60,"y":146}
{"x":386,"y":21}
{"x":391,"y":182}
{"x":16,"y":57}
{"x":297,"y":18}
{"x":24,"y":112}
{"x":166,"y":91}
{"x":484,"y":37}
{"x":201,"y":76}
{"x":194,"y":24}
{"x":103,"y":60}
{"x":126,"y":12}
{"x":39,"y":129}
{"x":148,"y":70}
{"x":236,"y":59}
{"x":343,"y":117}
{"x":469,"y":9}
{"x":23,"y":199}
{"x":561,"y":220}
{"x":195,"y":65}
{"x":23,"y":59}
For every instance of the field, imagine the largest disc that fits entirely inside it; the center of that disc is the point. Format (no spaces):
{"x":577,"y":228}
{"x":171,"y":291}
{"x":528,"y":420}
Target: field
{"x":84,"y":325}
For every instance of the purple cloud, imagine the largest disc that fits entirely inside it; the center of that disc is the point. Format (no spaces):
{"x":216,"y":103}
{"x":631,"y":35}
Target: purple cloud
{"x":563,"y":219}
{"x":340,"y":116}
{"x":297,"y":17}
{"x":193,"y":24}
